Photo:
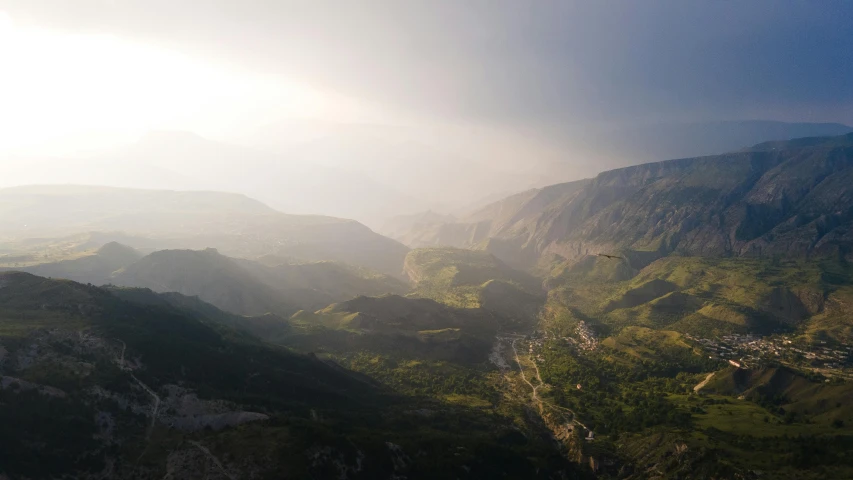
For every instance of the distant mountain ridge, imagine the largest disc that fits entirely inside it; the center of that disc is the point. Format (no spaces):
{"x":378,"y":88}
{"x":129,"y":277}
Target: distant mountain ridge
{"x":634,"y":145}
{"x":239,"y":286}
{"x":822,"y":141}
{"x":165,"y":219}
{"x":399,"y":226}
{"x":186,"y":161}
{"x":94,"y":269}
{"x":778,"y":198}
{"x":492,"y":220}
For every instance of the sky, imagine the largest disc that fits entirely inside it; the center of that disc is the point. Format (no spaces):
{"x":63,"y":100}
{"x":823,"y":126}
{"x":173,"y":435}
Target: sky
{"x":71,"y":67}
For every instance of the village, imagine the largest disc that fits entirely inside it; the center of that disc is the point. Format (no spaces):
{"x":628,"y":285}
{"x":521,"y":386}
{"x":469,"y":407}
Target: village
{"x":739,"y":350}
{"x":584,"y":340}
{"x":748,"y":350}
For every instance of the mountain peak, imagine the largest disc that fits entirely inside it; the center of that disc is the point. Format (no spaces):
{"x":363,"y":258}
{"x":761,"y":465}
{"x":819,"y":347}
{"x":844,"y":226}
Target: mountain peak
{"x":119,"y":251}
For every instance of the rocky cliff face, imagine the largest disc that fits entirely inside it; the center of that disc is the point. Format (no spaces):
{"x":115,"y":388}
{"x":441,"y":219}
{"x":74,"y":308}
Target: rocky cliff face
{"x":776,"y":198}
{"x":759,"y":203}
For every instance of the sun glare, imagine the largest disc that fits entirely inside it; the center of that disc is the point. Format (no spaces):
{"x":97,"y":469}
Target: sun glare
{"x":57,"y":85}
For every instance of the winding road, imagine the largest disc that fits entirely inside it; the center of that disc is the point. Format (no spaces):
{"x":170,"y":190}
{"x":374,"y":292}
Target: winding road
{"x":535,"y":388}
{"x":703,"y":382}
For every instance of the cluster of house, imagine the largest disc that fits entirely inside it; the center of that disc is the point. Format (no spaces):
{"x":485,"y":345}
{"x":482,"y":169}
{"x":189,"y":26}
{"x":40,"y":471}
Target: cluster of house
{"x":536,"y":342}
{"x":586,"y":337}
{"x":750,"y":350}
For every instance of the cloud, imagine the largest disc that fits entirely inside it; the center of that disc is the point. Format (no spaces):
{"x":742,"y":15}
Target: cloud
{"x":510,"y":62}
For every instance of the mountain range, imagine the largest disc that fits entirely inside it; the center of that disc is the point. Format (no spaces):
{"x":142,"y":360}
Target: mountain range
{"x":786,"y":198}
{"x":368,"y":179}
{"x":679,"y":319}
{"x":239,"y":286}
{"x":165,"y":219}
{"x":623,"y":146}
{"x":371,"y":173}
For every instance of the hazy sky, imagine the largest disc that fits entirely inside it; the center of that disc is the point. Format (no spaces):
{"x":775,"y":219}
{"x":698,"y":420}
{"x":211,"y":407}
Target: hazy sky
{"x":120,"y":67}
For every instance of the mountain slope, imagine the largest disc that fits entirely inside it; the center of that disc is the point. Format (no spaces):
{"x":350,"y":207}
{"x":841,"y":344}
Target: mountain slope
{"x":213,"y":277}
{"x":793,"y":391}
{"x":792,"y":200}
{"x":323,"y":282}
{"x":87,"y":362}
{"x":261,"y":327}
{"x":155,"y":334}
{"x":96,"y":386}
{"x":779,"y":198}
{"x":707,"y":297}
{"x":774,"y":198}
{"x":495,"y":219}
{"x":473,"y":279}
{"x":413,"y":328}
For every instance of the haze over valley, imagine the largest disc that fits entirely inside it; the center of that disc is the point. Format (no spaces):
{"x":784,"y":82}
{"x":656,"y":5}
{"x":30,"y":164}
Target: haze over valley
{"x":418,"y":240}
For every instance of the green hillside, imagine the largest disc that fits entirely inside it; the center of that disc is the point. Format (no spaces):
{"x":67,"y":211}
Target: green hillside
{"x":415,"y":328}
{"x":323,"y":282}
{"x":681,"y":319}
{"x":800,"y":398}
{"x":96,"y":383}
{"x":834,"y":323}
{"x":708,"y":296}
{"x":473,"y":279}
